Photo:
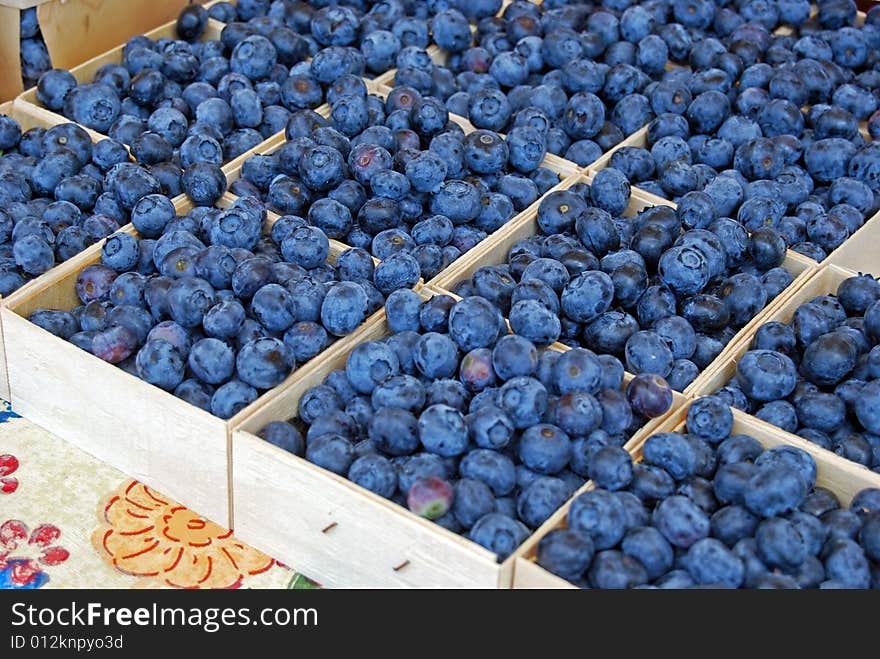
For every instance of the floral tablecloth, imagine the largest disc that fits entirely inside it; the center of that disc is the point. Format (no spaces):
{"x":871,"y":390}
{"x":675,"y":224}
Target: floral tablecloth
{"x":68,"y":520}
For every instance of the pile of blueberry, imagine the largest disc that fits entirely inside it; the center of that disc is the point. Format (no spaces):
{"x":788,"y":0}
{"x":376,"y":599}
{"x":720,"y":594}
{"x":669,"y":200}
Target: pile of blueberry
{"x":466,"y":424}
{"x":194,"y":100}
{"x":577,"y":77}
{"x":819,"y":375}
{"x":663,"y":296}
{"x":207,"y":307}
{"x":764,"y":170}
{"x":60,"y":193}
{"x":371,"y":36}
{"x":35,"y":59}
{"x":396,"y":176}
{"x":709,"y":509}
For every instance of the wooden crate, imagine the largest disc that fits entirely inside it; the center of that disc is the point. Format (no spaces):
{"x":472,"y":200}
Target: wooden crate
{"x":495,"y":249}
{"x":335,"y":531}
{"x":75,"y":30}
{"x":821,"y":281}
{"x":567,"y":172}
{"x":639,"y":139}
{"x":803,"y":268}
{"x":140,"y":429}
{"x":839,"y":475}
{"x":27,"y":118}
{"x":85,"y":71}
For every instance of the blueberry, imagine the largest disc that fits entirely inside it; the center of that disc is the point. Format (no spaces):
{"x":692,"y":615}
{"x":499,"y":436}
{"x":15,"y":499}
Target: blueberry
{"x":856,"y":294}
{"x":344,"y":308}
{"x":53,"y":86}
{"x":867,"y":406}
{"x":195,"y":393}
{"x":476,"y":370}
{"x":869,"y":536}
{"x":264,"y":363}
{"x":212,"y":361}
{"x":680,"y":521}
{"x":369,"y":364}
{"x":599,"y":514}
{"x":332,"y":452}
{"x":524,"y":400}
{"x":60,"y":323}
{"x":306,"y":339}
{"x":93,"y":105}
{"x":489,"y":427}
{"x":434,"y":314}
{"x":578,"y":369}
{"x":159,"y":363}
{"x":766,"y":375}
{"x":436,"y":356}
{"x":866,"y":502}
{"x":284,"y":436}
{"x":846,"y":563}
{"x":538,"y":500}
{"x":649,"y":395}
{"x":442,"y":430}
{"x":33,"y":255}
{"x":673,"y":453}
{"x":532,"y":320}
{"x":565,"y":552}
{"x":613,"y":570}
{"x":204,"y":183}
{"x":231,"y":398}
{"x":611,"y":468}
{"x":610,"y":190}
{"x":710,"y":562}
{"x":494,"y":469}
{"x":499,"y":533}
{"x":545,"y":449}
{"x":394,"y":431}
{"x":780,"y":544}
{"x":374,"y":473}
{"x":579,"y":413}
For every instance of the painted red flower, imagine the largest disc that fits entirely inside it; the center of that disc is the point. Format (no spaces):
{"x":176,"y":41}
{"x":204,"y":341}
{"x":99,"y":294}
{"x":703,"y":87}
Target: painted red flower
{"x":8,"y":465}
{"x":24,"y":554}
